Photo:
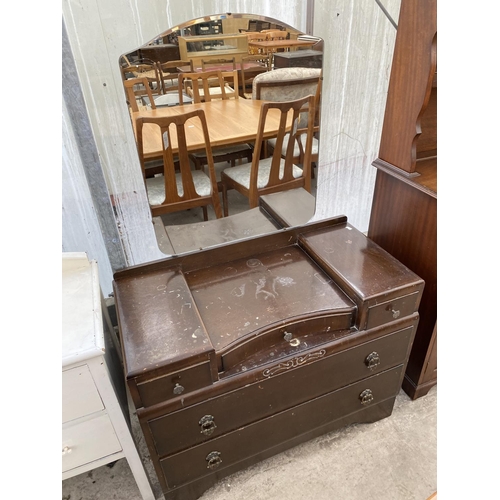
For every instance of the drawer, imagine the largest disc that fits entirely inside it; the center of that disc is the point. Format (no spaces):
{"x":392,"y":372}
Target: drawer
{"x":392,"y":310}
{"x":174,"y":384}
{"x":288,"y":384}
{"x":275,"y":337}
{"x":79,"y":394}
{"x":86,"y":441}
{"x":253,"y":439}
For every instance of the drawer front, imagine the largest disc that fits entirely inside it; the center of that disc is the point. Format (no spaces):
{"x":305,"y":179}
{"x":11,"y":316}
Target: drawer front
{"x":251,"y":440}
{"x":392,"y":310}
{"x":174,"y":384}
{"x":297,"y":332}
{"x":285,"y":387}
{"x":87,"y":441}
{"x":79,"y":394}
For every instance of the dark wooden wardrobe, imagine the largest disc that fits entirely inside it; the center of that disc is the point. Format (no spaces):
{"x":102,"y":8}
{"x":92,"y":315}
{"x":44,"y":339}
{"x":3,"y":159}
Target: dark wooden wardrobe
{"x":404,"y":211}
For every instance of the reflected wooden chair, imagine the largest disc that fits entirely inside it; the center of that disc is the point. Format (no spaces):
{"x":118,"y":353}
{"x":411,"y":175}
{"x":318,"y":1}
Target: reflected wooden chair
{"x":134,"y":88}
{"x":226,"y":153}
{"x":274,"y":34}
{"x":273,"y":174}
{"x":205,"y":86}
{"x":249,"y":73}
{"x":298,"y":150}
{"x":146,"y":70}
{"x":286,"y":84}
{"x":138,"y":87}
{"x":186,"y":188}
{"x":255,"y":36}
{"x":168,"y":73}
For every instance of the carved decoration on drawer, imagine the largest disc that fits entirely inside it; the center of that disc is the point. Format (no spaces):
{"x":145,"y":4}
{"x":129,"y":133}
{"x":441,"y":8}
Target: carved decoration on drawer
{"x":294,"y":363}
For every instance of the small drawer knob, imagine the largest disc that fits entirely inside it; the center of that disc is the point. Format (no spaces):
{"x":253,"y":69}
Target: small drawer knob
{"x":66,"y":450}
{"x":395,"y":314}
{"x":178,"y":389}
{"x":372,"y":360}
{"x":289,"y":338}
{"x":213,"y":460}
{"x":207,"y":424}
{"x":366,"y":397}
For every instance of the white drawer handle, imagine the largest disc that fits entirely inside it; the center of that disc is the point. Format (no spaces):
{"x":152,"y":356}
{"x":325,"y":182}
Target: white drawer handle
{"x":66,"y":450}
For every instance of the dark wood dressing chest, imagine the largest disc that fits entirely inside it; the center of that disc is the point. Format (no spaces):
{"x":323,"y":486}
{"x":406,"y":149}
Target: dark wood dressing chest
{"x":238,"y":352}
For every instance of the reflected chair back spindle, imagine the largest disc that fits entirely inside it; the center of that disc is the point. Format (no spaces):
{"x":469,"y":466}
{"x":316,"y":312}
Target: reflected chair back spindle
{"x":225,"y":91}
{"x":185,"y":188}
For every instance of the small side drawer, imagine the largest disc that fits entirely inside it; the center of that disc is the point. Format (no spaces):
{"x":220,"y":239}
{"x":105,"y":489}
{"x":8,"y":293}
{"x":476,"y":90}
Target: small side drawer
{"x":216,"y":454}
{"x":87,"y":441}
{"x":79,"y":394}
{"x":174,"y":384}
{"x":392,"y":310}
{"x":288,"y":384}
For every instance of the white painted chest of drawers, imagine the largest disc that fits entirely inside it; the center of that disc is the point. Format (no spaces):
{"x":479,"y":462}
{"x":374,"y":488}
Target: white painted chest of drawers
{"x":95,"y":430}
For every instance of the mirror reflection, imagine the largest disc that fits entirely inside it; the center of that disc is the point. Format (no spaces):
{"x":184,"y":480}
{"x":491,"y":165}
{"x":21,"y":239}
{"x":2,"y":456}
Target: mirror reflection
{"x":225,"y":111}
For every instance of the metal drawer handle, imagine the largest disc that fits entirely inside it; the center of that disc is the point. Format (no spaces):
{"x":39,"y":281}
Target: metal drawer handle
{"x":213,"y":460}
{"x":207,"y":424}
{"x":372,"y":360}
{"x":366,"y":397}
{"x":289,"y":338}
{"x":395,"y":314}
{"x":178,"y":389}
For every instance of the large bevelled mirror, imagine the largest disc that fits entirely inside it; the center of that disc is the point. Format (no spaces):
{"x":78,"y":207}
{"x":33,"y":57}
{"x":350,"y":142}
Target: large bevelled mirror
{"x":241,"y":47}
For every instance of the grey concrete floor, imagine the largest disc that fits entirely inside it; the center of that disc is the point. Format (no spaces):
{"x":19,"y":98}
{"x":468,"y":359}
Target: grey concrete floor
{"x":392,"y":459}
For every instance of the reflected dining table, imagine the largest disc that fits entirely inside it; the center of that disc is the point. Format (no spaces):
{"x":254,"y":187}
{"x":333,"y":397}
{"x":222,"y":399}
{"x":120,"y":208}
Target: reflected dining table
{"x":230,"y":122}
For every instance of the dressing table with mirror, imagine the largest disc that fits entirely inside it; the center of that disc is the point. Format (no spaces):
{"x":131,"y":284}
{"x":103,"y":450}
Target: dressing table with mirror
{"x":260,"y":332}
{"x":235,"y":350}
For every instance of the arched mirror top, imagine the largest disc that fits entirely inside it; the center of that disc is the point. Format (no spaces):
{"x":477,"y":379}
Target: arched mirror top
{"x":154,"y":84}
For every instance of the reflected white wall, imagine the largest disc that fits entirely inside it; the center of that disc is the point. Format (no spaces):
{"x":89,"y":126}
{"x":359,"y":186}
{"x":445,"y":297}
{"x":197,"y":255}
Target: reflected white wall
{"x":358,"y":49}
{"x":359,"y":41}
